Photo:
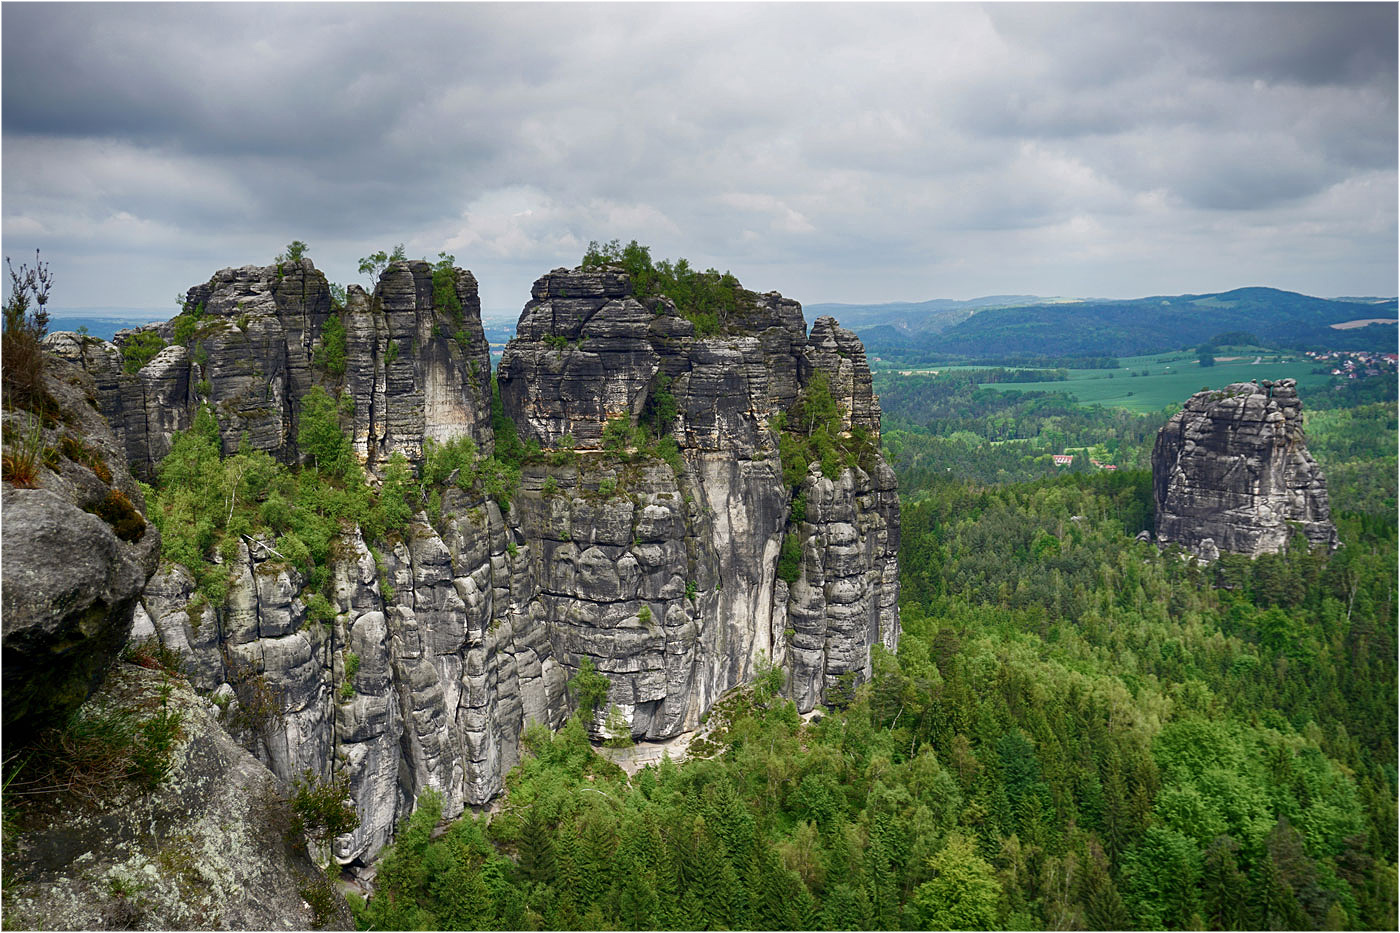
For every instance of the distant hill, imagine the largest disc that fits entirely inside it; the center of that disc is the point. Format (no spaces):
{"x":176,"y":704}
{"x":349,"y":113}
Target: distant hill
{"x":1133,"y":327}
{"x":914,"y":317}
{"x":104,"y":322}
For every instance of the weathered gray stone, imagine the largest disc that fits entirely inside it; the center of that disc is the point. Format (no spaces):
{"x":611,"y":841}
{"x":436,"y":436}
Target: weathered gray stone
{"x":204,"y":850}
{"x":414,"y":371}
{"x":473,"y":621}
{"x":1231,"y":472}
{"x":71,"y":582}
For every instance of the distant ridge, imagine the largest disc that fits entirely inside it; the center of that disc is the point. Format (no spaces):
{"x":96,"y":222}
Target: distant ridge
{"x":929,"y":316}
{"x":1060,"y":327}
{"x":104,"y":322}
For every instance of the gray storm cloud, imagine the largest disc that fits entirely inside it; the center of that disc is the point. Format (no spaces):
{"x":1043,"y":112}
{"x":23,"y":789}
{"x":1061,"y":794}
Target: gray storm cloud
{"x":857,"y":152}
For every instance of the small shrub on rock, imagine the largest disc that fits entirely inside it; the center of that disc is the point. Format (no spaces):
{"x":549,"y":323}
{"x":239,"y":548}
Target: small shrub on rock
{"x":321,"y":810}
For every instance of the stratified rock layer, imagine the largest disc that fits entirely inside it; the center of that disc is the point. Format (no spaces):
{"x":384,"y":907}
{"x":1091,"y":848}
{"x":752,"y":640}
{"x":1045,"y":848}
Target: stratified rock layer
{"x":587,"y":352}
{"x":1231,"y":472}
{"x":466,"y":626}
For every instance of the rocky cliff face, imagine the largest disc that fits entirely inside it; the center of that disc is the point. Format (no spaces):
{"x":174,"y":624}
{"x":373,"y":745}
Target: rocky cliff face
{"x":696,"y":550}
{"x":252,"y":341}
{"x":464,"y":627}
{"x":1231,"y":472}
{"x":85,"y":847}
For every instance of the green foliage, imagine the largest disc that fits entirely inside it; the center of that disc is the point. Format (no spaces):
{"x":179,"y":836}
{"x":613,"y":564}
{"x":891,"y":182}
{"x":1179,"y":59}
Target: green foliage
{"x":322,"y":809}
{"x":154,"y":742}
{"x":139,"y":349}
{"x":440,"y":460}
{"x":617,"y":729}
{"x":295,"y":252}
{"x":320,"y":437}
{"x":393,"y":509}
{"x":99,"y":748}
{"x":963,"y":892}
{"x":707,"y":299}
{"x":320,"y":609}
{"x":660,"y":411}
{"x":331,"y":354}
{"x":186,"y":323}
{"x":1078,"y":730}
{"x":617,"y":435}
{"x":26,"y":321}
{"x":374,"y":264}
{"x":1356,"y":448}
{"x":24,"y":452}
{"x":445,"y":299}
{"x":352,"y":667}
{"x":790,"y":558}
{"x":811,"y":432}
{"x":589,"y":688}
{"x":205,"y":503}
{"x":116,"y":510}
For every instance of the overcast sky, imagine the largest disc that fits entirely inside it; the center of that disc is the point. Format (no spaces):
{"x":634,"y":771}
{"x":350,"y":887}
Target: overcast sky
{"x":857,"y":153}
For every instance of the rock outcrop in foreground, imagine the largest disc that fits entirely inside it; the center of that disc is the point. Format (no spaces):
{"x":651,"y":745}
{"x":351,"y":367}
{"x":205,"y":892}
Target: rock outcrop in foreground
{"x":205,"y":849}
{"x":77,"y":553}
{"x":85,"y":847}
{"x":466,"y":625}
{"x":1231,"y":472}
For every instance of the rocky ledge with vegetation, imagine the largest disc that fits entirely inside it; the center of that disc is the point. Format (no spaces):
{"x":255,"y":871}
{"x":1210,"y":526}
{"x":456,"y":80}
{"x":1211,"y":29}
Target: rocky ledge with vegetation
{"x":384,"y":566}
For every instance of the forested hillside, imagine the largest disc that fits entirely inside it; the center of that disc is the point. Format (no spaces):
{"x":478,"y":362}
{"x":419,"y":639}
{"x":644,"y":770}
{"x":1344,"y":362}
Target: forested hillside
{"x":1078,"y":731}
{"x":952,"y":425}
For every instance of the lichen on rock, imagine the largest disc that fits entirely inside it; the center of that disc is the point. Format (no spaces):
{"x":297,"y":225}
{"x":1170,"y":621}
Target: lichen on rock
{"x":77,"y":553}
{"x":206,"y":848}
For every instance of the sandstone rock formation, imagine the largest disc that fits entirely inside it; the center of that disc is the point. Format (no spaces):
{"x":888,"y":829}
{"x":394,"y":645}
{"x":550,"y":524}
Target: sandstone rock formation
{"x":588,"y":352}
{"x":1231,"y":472}
{"x":77,"y":552}
{"x":453,"y":635}
{"x":255,"y":341}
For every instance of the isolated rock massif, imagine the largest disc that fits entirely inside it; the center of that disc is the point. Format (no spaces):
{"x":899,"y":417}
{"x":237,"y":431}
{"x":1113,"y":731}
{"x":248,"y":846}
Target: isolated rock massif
{"x":466,"y":625}
{"x":1231,"y":472}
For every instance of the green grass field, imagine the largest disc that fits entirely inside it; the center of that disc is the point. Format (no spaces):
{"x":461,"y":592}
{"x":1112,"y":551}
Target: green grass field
{"x":1172,"y":379}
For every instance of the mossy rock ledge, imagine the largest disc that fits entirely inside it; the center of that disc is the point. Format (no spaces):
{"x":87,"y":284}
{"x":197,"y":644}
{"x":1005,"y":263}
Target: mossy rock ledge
{"x":204,"y":849}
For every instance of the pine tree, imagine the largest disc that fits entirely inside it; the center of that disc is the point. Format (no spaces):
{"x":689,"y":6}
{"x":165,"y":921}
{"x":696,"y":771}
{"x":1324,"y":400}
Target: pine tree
{"x":568,"y":878}
{"x":597,"y":845}
{"x":536,"y":845}
{"x":1225,"y":888}
{"x":1103,"y":907}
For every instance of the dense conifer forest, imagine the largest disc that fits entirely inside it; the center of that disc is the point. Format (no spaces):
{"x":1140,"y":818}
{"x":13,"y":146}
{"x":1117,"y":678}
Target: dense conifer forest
{"x":1079,"y":730}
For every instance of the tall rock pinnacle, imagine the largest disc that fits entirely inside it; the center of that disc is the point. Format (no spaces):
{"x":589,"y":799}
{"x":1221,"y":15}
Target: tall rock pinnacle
{"x":1231,"y":472}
